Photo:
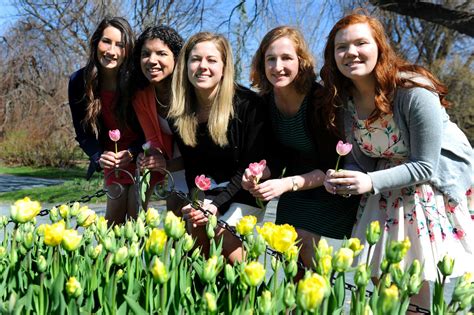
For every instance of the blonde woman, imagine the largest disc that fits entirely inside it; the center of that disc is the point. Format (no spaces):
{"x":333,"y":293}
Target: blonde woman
{"x":217,"y":126}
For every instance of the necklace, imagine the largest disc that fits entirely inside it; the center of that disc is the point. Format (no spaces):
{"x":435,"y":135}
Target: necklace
{"x":160,"y":103}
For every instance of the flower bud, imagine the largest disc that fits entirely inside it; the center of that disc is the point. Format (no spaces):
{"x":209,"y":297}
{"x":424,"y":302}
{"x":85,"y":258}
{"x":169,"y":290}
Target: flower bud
{"x":152,"y":218}
{"x":102,"y":226}
{"x":129,"y":230}
{"x":94,"y":252}
{"x":292,"y":253}
{"x":414,"y":284}
{"x":343,"y":259}
{"x":373,"y":232}
{"x":118,"y":229}
{"x":388,"y":299}
{"x":396,"y":250}
{"x":119,"y":274}
{"x":3,"y":221}
{"x":76,"y":208}
{"x":446,"y":265}
{"x":291,"y":269}
{"x":109,"y":242}
{"x":134,"y":250}
{"x":258,"y":247}
{"x":210,"y":299}
{"x":196,"y":254}
{"x":213,"y":221}
{"x":210,"y":270}
{"x":64,"y":211}
{"x":355,"y":246}
{"x":324,"y":266}
{"x":54,"y":214}
{"x":121,"y":256}
{"x":397,"y":276}
{"x":323,"y":249}
{"x":41,"y":263}
{"x":28,"y":240}
{"x":140,"y":226}
{"x":210,"y":230}
{"x":289,"y":296}
{"x":188,"y":242}
{"x":174,"y":226}
{"x":265,"y":302}
{"x":73,"y":287}
{"x":229,"y":274}
{"x":156,"y":242}
{"x":158,"y":270}
{"x":3,"y":252}
{"x":362,"y":275}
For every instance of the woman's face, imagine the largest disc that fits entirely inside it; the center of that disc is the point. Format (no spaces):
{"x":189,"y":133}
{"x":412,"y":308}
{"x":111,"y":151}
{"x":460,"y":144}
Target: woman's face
{"x":205,"y":67}
{"x":355,"y":51}
{"x":156,"y":60}
{"x":281,"y":63}
{"x":110,"y":49}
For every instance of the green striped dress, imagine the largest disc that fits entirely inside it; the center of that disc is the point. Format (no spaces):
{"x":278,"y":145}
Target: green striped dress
{"x":313,"y":210}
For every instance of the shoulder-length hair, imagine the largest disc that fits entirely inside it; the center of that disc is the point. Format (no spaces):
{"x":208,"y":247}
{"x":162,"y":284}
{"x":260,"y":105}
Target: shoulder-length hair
{"x":306,"y":75}
{"x":167,"y":35}
{"x":387,"y":72}
{"x":183,"y":102}
{"x":92,"y":78}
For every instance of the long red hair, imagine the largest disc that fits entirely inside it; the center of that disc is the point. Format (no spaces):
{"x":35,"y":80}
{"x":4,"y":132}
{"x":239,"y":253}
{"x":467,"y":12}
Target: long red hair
{"x":386,"y":72}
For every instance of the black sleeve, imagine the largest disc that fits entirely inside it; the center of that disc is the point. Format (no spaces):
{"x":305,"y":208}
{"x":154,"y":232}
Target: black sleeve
{"x":86,"y":139}
{"x":247,"y":128}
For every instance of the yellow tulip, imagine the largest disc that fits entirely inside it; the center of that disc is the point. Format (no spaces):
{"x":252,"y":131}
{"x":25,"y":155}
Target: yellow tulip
{"x":324,"y":266}
{"x":73,"y":287}
{"x":24,"y":210}
{"x":210,"y":269}
{"x":373,"y":232}
{"x":94,"y":252}
{"x":101,"y":225}
{"x":3,"y":251}
{"x":53,"y":234}
{"x":311,"y":292}
{"x":396,"y":250}
{"x":188,"y":242}
{"x":284,"y":238}
{"x":121,"y":256}
{"x":210,"y":299}
{"x":86,"y":217}
{"x":254,"y":273}
{"x":71,"y":240}
{"x":246,"y":224}
{"x":76,"y":208}
{"x":267,"y":231}
{"x":446,"y":265}
{"x":343,"y":259}
{"x":64,"y":211}
{"x":152,"y":217}
{"x":292,"y":253}
{"x":174,"y":226}
{"x":265,"y":302}
{"x":156,"y":242}
{"x":158,"y":271}
{"x":355,"y":246}
{"x":323,"y":249}
{"x":388,"y":299}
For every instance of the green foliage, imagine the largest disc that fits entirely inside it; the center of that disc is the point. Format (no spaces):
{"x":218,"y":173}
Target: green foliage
{"x":28,"y":148}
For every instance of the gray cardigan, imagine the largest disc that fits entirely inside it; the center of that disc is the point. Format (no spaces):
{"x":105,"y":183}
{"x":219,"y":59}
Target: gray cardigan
{"x":439,"y":151}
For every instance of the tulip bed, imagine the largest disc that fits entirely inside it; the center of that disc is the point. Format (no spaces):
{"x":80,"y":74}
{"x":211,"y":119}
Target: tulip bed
{"x":148,"y":266}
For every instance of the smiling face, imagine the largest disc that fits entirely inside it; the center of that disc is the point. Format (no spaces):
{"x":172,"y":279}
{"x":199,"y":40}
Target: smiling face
{"x":355,"y":51}
{"x":110,"y":49}
{"x":281,"y":63}
{"x":205,"y":67}
{"x":156,"y":61}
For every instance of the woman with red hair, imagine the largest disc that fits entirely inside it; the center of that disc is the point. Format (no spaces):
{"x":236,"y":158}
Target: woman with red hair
{"x":411,"y":165}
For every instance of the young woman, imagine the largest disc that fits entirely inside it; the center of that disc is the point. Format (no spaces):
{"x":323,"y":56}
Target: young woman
{"x":283,"y":72}
{"x":218,"y":130}
{"x":155,"y":54}
{"x":415,"y":166}
{"x":99,"y":102}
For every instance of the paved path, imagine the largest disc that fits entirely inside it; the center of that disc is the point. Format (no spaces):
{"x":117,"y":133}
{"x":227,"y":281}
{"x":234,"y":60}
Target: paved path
{"x":12,"y":183}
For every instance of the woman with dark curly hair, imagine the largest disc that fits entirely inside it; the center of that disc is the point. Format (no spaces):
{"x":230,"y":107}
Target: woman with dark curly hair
{"x":154,"y":59}
{"x":99,"y":102}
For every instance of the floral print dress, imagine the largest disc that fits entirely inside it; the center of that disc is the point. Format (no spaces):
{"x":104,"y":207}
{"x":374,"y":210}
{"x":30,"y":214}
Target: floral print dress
{"x":435,"y":225}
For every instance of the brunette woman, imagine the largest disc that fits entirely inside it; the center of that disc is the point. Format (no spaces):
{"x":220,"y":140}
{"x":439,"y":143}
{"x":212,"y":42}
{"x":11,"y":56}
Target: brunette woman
{"x":99,"y":102}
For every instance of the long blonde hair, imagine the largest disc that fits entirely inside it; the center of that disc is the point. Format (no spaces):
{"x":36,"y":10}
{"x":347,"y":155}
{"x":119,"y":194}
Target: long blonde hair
{"x":184,"y":104}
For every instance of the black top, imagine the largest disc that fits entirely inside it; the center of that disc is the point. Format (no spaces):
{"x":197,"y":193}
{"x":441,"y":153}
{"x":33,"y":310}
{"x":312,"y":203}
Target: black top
{"x":222,"y":164}
{"x":88,"y":142}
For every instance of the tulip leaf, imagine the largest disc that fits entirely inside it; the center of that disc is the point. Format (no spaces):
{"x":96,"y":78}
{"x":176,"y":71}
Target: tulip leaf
{"x":122,"y":310}
{"x":134,"y":306}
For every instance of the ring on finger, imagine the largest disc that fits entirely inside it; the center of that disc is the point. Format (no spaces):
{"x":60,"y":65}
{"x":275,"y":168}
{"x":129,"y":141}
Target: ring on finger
{"x":346,"y":195}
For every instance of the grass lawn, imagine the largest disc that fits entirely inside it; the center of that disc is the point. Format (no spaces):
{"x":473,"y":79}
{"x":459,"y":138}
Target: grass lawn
{"x":74,"y":187}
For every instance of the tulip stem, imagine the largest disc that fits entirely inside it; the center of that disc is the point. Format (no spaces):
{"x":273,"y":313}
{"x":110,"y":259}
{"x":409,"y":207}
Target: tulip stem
{"x":337,"y":163}
{"x":229,"y":299}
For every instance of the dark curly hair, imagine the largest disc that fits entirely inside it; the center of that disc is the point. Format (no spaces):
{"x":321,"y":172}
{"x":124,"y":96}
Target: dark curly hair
{"x":166,"y":34}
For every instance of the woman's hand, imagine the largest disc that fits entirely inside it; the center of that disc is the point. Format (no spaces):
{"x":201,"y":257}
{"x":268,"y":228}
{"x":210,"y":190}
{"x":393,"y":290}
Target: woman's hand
{"x":271,"y":188}
{"x":347,"y":182}
{"x":108,"y":160}
{"x":249,"y":180}
{"x":197,"y":217}
{"x":153,"y":162}
{"x":123,"y":158}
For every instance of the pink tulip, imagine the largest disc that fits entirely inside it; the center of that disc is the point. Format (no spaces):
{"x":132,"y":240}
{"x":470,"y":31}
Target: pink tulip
{"x":256,"y":169}
{"x":343,"y":148}
{"x":202,"y":182}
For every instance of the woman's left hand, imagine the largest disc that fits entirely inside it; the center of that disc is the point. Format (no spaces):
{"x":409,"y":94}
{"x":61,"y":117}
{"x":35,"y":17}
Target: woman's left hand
{"x":196,"y":217}
{"x":346,"y":182}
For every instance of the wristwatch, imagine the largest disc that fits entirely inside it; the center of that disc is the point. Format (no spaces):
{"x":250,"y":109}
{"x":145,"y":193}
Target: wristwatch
{"x":295,"y":185}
